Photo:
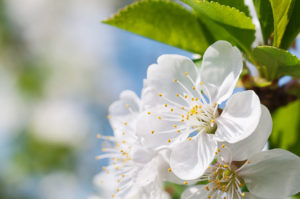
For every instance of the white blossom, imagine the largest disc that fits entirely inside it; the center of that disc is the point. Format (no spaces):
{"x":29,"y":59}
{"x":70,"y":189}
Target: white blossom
{"x":134,"y":169}
{"x":183,"y":107}
{"x":267,"y":174}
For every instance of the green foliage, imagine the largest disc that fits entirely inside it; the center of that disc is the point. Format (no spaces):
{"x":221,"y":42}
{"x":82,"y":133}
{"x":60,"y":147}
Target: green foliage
{"x":175,"y":190}
{"x":265,"y":17}
{"x":286,"y":128}
{"x":35,"y":156}
{"x":293,"y":28}
{"x":225,"y":22}
{"x":282,"y":10}
{"x":276,"y":62}
{"x":235,"y":3}
{"x":164,"y":21}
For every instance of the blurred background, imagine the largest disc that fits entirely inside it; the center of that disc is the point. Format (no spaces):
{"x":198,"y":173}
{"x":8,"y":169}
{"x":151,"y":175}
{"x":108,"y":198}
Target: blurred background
{"x":60,"y":69}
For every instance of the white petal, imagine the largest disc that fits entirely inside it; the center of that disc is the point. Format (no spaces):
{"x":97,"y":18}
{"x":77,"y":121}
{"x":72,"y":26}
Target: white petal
{"x":128,"y":99}
{"x":124,"y":110}
{"x":239,"y":118}
{"x":190,"y":159}
{"x":221,"y":67}
{"x":242,"y":150}
{"x":196,"y":192}
{"x":272,"y":174}
{"x":156,"y":132}
{"x":161,"y":76}
{"x":251,"y":196}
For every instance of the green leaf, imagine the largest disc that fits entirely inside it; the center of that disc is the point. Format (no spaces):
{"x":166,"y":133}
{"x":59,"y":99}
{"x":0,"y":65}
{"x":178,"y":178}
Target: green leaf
{"x":276,"y":62}
{"x":293,"y":28}
{"x":282,"y":10}
{"x":239,"y":4}
{"x":164,"y":21}
{"x":286,"y":128}
{"x":225,"y":23}
{"x":265,"y":17}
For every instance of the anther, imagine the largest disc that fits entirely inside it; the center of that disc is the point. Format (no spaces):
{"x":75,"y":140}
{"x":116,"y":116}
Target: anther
{"x":160,"y":95}
{"x":170,"y":170}
{"x":152,"y":132}
{"x":169,"y":140}
{"x":185,"y":183}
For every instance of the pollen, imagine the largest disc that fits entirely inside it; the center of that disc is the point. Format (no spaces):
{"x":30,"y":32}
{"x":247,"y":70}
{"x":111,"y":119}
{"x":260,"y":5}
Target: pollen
{"x":127,"y":105}
{"x":166,"y":105}
{"x":170,"y":170}
{"x":118,"y":189}
{"x":169,"y":140}
{"x":175,"y":126}
{"x":149,"y":113}
{"x":189,"y":138}
{"x":160,"y":95}
{"x":152,"y":132}
{"x":185,"y":183}
{"x":98,"y":136}
{"x":172,"y":110}
{"x":177,"y":95}
{"x":159,"y":117}
{"x":108,"y":116}
{"x":178,"y":131}
{"x":185,"y":73}
{"x":175,"y":80}
{"x":125,"y":123}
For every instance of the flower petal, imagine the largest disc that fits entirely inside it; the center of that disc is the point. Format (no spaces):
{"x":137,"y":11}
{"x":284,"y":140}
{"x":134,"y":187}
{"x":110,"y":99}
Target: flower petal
{"x":190,"y":159}
{"x":125,"y":109}
{"x":195,"y":192}
{"x":239,"y":118}
{"x":221,"y":67}
{"x":272,"y":174}
{"x":161,"y":76}
{"x":242,"y":150}
{"x":156,"y":132}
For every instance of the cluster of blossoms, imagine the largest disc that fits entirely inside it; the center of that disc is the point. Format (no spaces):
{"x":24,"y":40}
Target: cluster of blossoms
{"x":189,"y":128}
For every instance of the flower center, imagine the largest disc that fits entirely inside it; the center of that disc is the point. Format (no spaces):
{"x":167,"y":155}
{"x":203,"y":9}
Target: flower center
{"x":224,"y":182}
{"x":203,"y":117}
